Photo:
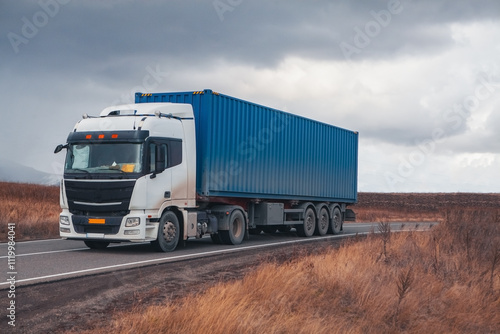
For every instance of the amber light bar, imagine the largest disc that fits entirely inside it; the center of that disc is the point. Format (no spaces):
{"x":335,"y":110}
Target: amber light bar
{"x":101,"y":136}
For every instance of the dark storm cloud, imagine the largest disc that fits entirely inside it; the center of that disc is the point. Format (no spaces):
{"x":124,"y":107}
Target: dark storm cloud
{"x":257,"y":32}
{"x":60,"y":58}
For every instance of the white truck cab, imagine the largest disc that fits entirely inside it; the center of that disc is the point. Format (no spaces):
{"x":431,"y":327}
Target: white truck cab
{"x":124,"y":168}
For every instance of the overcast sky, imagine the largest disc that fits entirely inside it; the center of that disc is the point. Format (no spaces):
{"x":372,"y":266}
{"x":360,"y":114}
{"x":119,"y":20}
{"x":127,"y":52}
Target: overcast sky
{"x":419,"y":80}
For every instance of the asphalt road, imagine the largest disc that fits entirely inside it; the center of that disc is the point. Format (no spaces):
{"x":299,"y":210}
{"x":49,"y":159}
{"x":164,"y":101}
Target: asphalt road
{"x":56,"y":259}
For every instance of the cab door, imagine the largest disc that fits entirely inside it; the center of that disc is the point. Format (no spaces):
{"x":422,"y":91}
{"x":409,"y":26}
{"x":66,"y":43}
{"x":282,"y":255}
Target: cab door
{"x":167,"y":180}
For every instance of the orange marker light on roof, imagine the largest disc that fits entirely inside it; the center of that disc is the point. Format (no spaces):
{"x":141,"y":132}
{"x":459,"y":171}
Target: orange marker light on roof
{"x":88,"y":136}
{"x":114,"y":136}
{"x":101,"y":136}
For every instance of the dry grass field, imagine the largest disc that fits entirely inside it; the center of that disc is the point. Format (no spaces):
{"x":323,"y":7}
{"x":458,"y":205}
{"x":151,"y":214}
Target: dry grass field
{"x":443,"y":281}
{"x":33,"y":208}
{"x":446,"y":280}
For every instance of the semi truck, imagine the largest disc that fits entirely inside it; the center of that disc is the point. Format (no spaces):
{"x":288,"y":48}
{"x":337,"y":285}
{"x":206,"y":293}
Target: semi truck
{"x":181,"y":165}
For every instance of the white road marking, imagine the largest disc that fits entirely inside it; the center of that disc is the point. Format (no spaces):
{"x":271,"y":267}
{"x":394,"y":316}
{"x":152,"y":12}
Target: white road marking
{"x":32,"y":241}
{"x":356,"y":225}
{"x":182,"y":257}
{"x":47,"y":252}
{"x":71,"y":250}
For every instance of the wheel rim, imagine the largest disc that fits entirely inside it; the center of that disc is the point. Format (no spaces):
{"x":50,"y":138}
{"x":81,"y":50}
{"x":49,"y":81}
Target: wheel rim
{"x":336,"y":220}
{"x":309,"y":221}
{"x":169,"y":231}
{"x":323,"y":222}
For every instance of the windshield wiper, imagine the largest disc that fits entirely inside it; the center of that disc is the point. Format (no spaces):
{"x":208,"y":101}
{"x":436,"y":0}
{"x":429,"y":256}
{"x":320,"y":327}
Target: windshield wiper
{"x":121,"y":171}
{"x":89,"y":174}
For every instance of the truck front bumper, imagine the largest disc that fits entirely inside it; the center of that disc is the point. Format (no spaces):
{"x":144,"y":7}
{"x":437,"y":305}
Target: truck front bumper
{"x":134,"y":227}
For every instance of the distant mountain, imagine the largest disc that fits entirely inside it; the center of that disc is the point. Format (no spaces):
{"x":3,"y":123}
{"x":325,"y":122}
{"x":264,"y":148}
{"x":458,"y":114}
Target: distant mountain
{"x":14,"y":172}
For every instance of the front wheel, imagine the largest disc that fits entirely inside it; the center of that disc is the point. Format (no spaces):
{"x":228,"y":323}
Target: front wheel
{"x":236,"y":232}
{"x":168,"y":233}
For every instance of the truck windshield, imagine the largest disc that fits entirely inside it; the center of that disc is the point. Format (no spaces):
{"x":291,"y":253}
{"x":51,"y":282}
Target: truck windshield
{"x":104,"y":158}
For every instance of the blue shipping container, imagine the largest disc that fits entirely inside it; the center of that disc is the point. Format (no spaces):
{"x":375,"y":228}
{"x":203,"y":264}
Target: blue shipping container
{"x":252,"y":151}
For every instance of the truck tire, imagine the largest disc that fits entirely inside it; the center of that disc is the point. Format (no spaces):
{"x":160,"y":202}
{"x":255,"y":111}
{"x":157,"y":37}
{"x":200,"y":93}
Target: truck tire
{"x":92,"y":244}
{"x":307,"y":228}
{"x":168,"y":233}
{"x":336,"y":221}
{"x":323,"y":221}
{"x":236,"y":232}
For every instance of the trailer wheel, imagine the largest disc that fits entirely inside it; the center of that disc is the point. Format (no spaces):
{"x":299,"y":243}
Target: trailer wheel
{"x":336,"y":222}
{"x":92,"y":244}
{"x":323,"y":221}
{"x":236,"y":232}
{"x":168,"y":233}
{"x":307,"y":228}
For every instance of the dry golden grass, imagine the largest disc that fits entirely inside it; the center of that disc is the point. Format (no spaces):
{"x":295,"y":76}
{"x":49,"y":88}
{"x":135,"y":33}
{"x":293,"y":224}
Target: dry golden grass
{"x":442,"y":281}
{"x":33,"y":208}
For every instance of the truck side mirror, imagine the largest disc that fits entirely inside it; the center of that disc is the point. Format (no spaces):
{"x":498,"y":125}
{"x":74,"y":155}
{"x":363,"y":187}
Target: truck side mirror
{"x":59,"y":148}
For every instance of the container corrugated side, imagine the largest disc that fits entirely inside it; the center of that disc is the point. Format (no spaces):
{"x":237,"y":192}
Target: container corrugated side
{"x":249,"y":150}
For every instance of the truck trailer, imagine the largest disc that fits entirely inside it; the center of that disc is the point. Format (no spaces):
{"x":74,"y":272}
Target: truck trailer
{"x":181,"y":165}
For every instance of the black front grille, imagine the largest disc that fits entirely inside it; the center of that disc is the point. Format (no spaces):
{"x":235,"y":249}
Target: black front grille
{"x":99,"y":198}
{"x":82,"y":224}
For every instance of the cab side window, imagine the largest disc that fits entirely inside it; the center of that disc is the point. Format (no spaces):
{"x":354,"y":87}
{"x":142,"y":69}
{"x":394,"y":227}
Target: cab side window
{"x":175,"y":152}
{"x":172,"y":150}
{"x":155,"y":148}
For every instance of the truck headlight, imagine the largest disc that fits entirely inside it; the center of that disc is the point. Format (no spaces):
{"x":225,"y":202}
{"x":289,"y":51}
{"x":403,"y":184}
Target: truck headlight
{"x":64,"y":220}
{"x":134,"y":221}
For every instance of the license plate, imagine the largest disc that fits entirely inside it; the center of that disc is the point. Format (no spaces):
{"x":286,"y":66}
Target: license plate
{"x":97,"y":221}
